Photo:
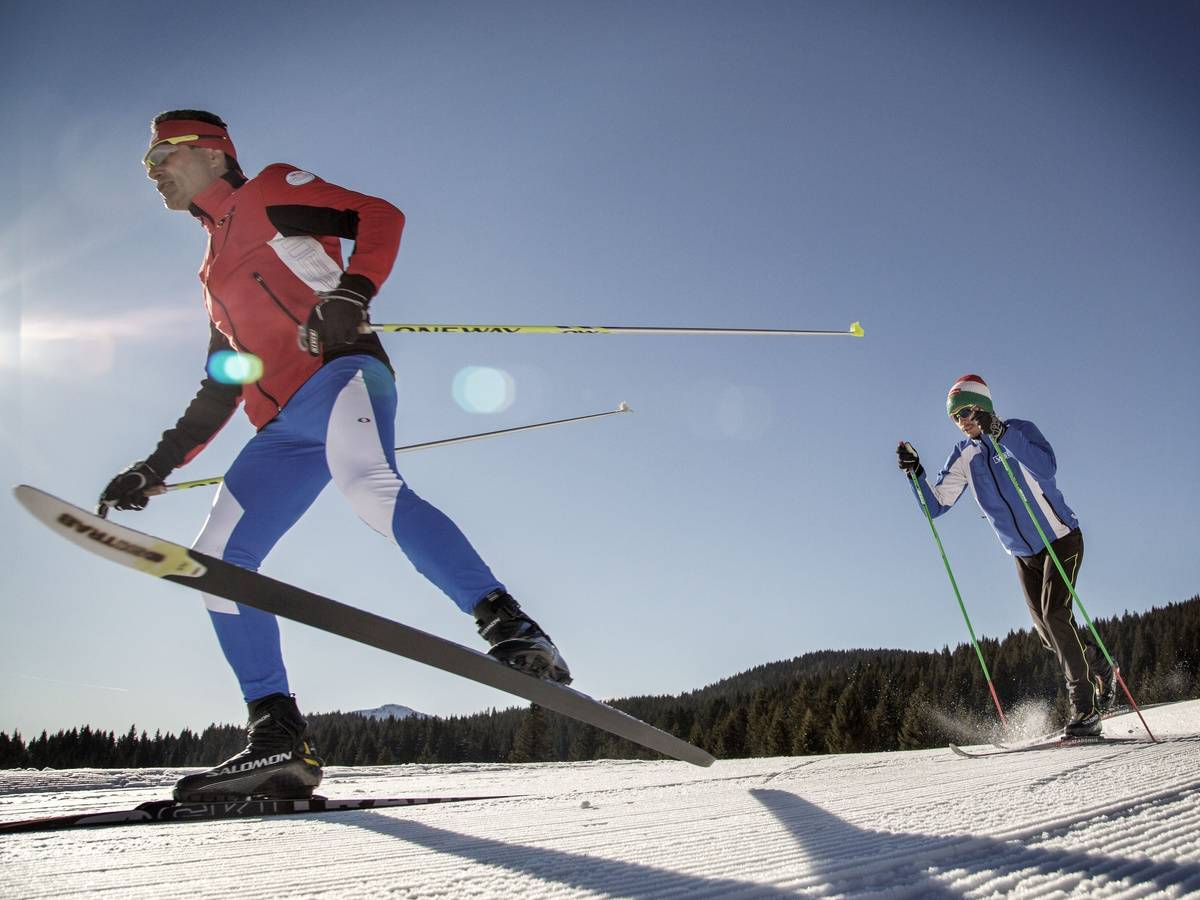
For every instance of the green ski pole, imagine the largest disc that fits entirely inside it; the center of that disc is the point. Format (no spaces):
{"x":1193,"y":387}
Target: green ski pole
{"x":962,"y":606}
{"x":1067,"y":581}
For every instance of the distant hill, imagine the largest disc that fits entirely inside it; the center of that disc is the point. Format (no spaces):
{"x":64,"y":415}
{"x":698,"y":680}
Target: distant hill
{"x":388,"y":711}
{"x":815,"y":664}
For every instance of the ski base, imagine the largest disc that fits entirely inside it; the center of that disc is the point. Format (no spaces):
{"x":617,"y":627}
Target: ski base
{"x":171,"y":811}
{"x":1048,"y":744}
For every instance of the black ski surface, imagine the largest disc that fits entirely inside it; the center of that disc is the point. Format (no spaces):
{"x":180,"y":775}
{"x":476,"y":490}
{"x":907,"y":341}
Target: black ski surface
{"x":170,"y":811}
{"x":200,"y":572}
{"x":1048,"y":744}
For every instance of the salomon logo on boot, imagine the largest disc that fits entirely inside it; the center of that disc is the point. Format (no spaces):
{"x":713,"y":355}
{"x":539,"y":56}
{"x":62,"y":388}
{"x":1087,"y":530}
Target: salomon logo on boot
{"x":279,"y":762}
{"x":250,"y":765}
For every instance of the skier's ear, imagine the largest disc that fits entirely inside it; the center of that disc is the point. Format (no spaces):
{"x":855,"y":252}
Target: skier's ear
{"x":215,"y":159}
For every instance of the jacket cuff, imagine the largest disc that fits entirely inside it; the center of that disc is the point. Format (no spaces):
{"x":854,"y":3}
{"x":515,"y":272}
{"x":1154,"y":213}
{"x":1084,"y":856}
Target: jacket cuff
{"x":159,"y":464}
{"x":360,"y":284}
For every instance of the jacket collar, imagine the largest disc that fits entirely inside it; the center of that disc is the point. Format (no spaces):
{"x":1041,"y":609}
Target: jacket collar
{"x":208,"y":203}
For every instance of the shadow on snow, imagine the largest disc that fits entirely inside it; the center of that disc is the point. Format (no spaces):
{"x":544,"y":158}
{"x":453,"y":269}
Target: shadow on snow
{"x":833,"y":854}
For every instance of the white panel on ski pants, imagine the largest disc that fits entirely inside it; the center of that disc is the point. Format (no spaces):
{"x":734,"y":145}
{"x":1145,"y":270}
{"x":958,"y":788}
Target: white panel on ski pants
{"x":339,"y":426}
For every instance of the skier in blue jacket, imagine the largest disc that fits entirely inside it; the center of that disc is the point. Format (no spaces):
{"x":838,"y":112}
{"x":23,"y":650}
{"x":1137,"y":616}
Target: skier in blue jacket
{"x":973,"y":462}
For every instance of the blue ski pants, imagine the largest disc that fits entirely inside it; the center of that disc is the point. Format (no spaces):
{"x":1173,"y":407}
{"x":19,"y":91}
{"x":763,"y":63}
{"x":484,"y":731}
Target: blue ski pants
{"x":339,"y":426}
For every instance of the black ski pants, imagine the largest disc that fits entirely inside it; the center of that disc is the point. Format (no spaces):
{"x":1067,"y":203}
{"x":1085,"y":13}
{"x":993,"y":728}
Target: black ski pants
{"x":1050,"y":605}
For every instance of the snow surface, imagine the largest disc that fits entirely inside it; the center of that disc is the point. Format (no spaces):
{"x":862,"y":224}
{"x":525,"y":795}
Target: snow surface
{"x":1115,"y":820}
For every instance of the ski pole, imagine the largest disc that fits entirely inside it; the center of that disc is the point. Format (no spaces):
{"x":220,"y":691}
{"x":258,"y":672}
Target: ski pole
{"x":623,"y":407}
{"x":855,"y":329}
{"x":962,"y":606}
{"x":1070,"y":587}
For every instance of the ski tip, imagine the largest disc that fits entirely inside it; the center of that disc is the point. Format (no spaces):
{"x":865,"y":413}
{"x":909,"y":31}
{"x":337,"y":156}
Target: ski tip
{"x":32,"y":497}
{"x":43,"y":505}
{"x":856,"y":329}
{"x":623,"y":407}
{"x":26,"y":493}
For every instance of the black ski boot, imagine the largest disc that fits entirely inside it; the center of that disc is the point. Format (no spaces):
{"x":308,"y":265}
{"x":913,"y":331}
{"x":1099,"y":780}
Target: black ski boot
{"x":1083,"y":724}
{"x":517,"y":640}
{"x":1106,"y":691}
{"x":279,"y":762}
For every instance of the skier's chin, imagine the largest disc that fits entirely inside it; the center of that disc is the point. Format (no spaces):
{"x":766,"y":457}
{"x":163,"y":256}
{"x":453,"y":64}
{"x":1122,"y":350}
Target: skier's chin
{"x":172,"y":197}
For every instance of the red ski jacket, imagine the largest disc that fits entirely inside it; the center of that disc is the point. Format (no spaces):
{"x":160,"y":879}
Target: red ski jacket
{"x":273,"y":242}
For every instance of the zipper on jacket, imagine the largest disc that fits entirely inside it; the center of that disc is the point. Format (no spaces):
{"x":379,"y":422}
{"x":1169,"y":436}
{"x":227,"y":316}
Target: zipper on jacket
{"x":1050,"y":506}
{"x":224,"y":223}
{"x":240,"y":343}
{"x":1000,"y":494}
{"x":1033,"y":485}
{"x":270,"y":293}
{"x":210,"y":257}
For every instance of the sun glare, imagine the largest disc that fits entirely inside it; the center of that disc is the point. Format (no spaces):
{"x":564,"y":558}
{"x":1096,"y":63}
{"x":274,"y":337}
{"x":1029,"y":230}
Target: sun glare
{"x":71,"y":345}
{"x":480,"y":389}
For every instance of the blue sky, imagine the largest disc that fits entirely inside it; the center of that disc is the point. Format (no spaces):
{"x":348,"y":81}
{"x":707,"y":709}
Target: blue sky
{"x":1003,"y":189}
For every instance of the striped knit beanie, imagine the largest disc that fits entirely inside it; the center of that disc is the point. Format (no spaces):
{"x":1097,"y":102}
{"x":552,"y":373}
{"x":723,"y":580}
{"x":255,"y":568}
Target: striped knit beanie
{"x":968,"y":390}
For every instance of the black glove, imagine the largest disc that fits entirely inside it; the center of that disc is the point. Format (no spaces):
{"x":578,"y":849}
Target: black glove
{"x":334,"y":321}
{"x":988,"y":423}
{"x":128,"y":490}
{"x":907,"y":459}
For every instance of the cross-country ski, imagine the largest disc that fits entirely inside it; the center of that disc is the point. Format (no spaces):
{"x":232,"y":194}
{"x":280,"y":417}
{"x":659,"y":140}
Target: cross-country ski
{"x":199,"y":572}
{"x":155,"y":811}
{"x":1058,"y":742}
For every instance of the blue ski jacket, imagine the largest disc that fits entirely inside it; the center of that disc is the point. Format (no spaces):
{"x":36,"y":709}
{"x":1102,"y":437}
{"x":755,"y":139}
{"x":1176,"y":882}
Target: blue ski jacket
{"x":975,"y":463}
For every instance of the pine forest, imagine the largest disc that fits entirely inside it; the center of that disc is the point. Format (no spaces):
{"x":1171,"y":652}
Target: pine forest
{"x":839,"y":701}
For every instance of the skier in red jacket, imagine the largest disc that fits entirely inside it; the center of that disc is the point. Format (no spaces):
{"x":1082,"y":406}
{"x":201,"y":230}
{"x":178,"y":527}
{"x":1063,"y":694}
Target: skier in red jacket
{"x":279,"y":296}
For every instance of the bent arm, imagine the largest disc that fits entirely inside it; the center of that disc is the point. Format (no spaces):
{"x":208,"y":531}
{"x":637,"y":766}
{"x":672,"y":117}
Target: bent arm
{"x":213,"y":406}
{"x":1031,"y":449}
{"x":949,"y":485}
{"x":320,"y":209}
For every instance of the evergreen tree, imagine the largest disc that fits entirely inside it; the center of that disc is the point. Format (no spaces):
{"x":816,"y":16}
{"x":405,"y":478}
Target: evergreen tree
{"x":532,"y":740}
{"x":779,"y":736}
{"x":730,"y":736}
{"x":829,"y":701}
{"x":849,"y":733}
{"x":915,"y":728}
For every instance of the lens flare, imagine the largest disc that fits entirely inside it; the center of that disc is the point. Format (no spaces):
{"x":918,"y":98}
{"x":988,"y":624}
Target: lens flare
{"x":480,"y":389}
{"x":230,"y":367}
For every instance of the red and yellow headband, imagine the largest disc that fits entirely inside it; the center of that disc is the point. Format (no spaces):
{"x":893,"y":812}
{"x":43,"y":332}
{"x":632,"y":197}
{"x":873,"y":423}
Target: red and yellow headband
{"x":191,"y":132}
